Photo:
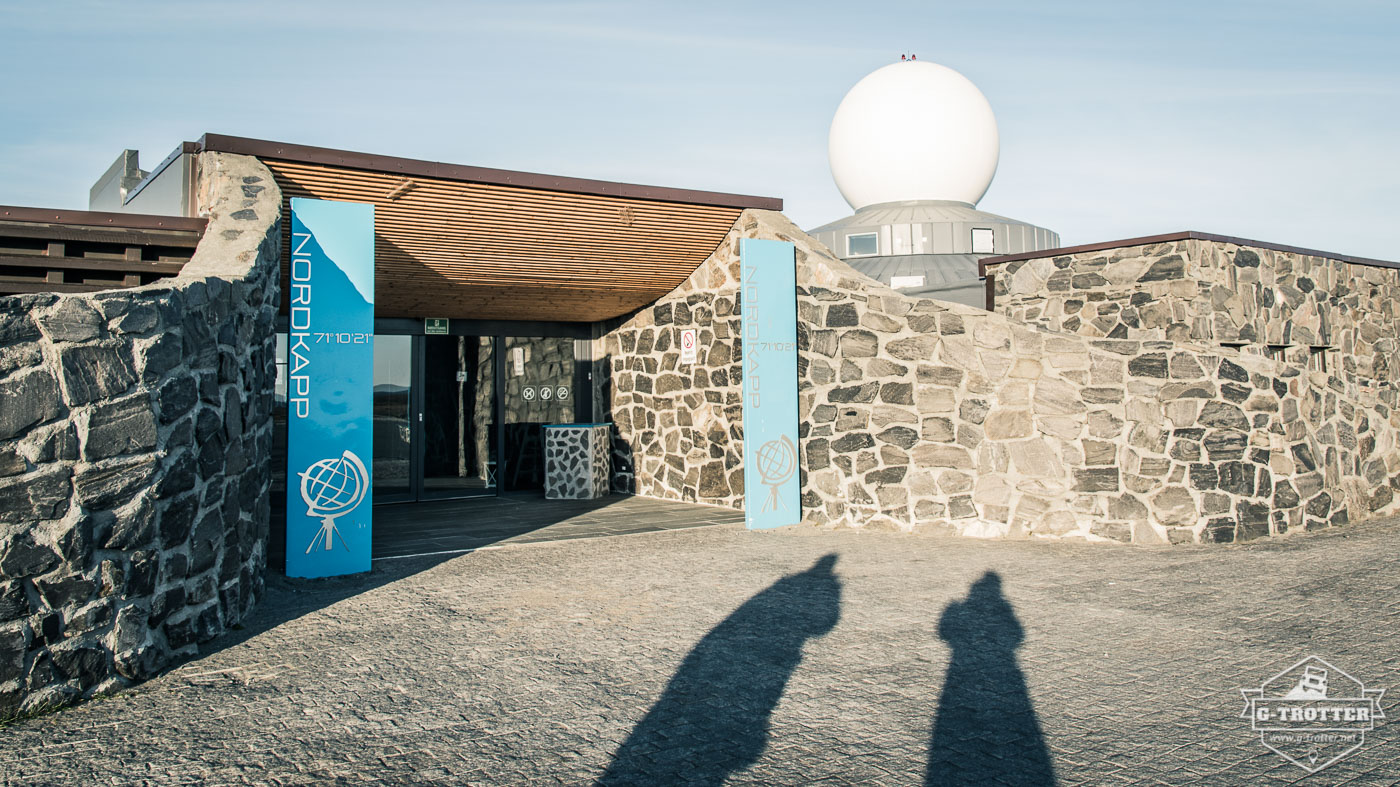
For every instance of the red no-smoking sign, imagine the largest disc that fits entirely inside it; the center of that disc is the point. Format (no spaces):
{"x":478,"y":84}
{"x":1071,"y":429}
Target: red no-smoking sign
{"x":688,"y":345}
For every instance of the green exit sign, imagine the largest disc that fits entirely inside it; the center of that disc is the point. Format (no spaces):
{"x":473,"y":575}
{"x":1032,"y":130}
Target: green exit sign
{"x":435,"y":325}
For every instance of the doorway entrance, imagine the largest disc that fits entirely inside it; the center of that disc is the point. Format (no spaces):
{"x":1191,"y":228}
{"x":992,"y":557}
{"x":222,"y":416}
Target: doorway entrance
{"x":463,"y":416}
{"x":435,"y":417}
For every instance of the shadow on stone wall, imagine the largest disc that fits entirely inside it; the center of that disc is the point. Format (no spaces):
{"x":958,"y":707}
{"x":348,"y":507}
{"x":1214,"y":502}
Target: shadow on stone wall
{"x":985,"y":730}
{"x":713,"y":718}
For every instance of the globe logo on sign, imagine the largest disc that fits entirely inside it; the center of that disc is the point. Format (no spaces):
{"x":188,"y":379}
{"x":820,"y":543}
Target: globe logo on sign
{"x":777,"y":461}
{"x":332,"y":488}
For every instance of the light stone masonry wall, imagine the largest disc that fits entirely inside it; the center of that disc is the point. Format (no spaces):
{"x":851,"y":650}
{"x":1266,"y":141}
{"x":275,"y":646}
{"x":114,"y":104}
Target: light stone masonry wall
{"x":677,"y":427}
{"x":135,"y":430}
{"x":918,"y":414}
{"x":1213,"y":292}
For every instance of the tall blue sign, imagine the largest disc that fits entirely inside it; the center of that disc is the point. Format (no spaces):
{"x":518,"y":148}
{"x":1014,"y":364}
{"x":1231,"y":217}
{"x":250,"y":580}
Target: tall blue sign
{"x":330,"y":396}
{"x":768,"y":298}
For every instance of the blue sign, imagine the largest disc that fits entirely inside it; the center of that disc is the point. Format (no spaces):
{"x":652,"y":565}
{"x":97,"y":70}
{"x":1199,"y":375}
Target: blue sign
{"x":330,"y":395}
{"x":768,"y":298}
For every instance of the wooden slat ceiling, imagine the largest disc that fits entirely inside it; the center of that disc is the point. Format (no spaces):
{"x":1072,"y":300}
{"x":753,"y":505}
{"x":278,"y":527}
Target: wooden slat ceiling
{"x":466,"y":250}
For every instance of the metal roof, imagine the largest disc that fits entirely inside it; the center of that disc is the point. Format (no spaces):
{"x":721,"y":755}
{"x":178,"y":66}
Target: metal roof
{"x":915,"y":212}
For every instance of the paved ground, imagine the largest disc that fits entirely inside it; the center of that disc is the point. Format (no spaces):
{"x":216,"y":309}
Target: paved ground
{"x":698,"y":655}
{"x":526,"y":517}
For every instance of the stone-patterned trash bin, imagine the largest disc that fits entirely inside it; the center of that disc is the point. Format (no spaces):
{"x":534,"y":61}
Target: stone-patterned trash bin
{"x":577,"y":461}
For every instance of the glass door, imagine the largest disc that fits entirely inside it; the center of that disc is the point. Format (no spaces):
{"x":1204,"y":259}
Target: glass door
{"x":393,"y":426}
{"x":458,"y":418}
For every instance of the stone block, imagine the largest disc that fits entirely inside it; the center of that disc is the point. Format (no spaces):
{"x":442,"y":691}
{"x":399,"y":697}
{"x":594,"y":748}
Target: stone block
{"x":1113,"y":531}
{"x":842,"y":315}
{"x":21,"y":557}
{"x":901,"y":436}
{"x":1056,"y":397}
{"x":29,"y":397}
{"x":1152,"y":365}
{"x":72,"y":320}
{"x":887,"y":415}
{"x":1098,"y":453}
{"x":926,"y":455}
{"x":1223,"y":415}
{"x":1034,"y":458}
{"x":122,"y":426}
{"x":1104,"y":424}
{"x":113,"y":483}
{"x":1174,"y":506}
{"x":1103,"y":479}
{"x":1057,"y":523}
{"x":161,"y":355}
{"x":40,"y":495}
{"x":937,"y":429}
{"x":82,"y":661}
{"x":947,"y":376}
{"x":1008,"y":424}
{"x":14,"y":601}
{"x":59,"y":592}
{"x":916,"y":348}
{"x":856,"y":393}
{"x":1223,"y":445}
{"x":854,"y":441}
{"x":880,"y":367}
{"x":95,"y":371}
{"x":897,"y":393}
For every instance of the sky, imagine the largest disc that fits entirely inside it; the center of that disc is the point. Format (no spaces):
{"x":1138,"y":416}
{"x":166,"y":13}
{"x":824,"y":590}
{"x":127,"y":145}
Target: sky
{"x":1276,"y":121}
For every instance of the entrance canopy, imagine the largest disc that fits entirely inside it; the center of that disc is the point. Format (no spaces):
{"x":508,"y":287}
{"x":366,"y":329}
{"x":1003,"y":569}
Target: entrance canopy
{"x":488,"y":244}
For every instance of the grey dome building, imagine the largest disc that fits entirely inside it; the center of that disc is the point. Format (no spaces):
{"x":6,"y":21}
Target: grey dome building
{"x":913,"y":148}
{"x":929,"y":248}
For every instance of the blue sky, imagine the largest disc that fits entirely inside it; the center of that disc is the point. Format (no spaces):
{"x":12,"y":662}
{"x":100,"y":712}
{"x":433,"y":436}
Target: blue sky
{"x":1278,"y":121}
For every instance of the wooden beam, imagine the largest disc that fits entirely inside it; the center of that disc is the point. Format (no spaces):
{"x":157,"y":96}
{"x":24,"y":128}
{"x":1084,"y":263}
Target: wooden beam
{"x":115,"y":266}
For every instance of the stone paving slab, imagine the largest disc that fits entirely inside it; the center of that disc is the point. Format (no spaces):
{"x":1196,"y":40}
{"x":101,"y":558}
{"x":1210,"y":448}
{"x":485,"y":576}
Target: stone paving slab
{"x":792,"y":657}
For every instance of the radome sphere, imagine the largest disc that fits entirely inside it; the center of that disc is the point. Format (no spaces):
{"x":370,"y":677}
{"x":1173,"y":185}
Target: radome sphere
{"x":913,"y":131}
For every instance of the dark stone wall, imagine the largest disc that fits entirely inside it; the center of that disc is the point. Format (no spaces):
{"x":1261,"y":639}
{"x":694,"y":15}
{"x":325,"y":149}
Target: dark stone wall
{"x":135,"y":434}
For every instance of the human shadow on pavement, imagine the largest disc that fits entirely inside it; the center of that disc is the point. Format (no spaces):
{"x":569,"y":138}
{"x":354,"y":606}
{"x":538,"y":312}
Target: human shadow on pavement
{"x":985,"y":730}
{"x":713,"y":717}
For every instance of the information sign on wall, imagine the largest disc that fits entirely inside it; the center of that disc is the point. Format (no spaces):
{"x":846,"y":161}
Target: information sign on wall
{"x":330,"y":394}
{"x":435,"y":326}
{"x":768,"y":293}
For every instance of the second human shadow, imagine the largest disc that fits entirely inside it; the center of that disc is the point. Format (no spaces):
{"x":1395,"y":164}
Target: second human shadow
{"x":985,"y":730}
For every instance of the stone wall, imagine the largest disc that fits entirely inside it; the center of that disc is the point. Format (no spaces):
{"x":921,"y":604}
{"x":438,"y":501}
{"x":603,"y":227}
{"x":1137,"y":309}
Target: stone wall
{"x":677,"y":432}
{"x":135,"y":430}
{"x":1283,"y":304}
{"x":992,"y":426}
{"x":929,"y":415}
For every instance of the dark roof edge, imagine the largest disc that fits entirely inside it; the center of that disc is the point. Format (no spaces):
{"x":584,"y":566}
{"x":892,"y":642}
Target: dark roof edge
{"x":184,"y":147}
{"x":88,"y":218}
{"x":1174,"y":236}
{"x":431,"y":169}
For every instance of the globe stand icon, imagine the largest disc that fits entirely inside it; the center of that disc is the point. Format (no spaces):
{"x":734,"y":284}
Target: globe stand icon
{"x":777,"y":461}
{"x":332,"y":488}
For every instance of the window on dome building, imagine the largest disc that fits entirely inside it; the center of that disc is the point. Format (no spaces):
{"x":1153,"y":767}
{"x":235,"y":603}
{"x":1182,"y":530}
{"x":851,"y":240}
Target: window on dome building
{"x":983,"y":242}
{"x":863,"y":245}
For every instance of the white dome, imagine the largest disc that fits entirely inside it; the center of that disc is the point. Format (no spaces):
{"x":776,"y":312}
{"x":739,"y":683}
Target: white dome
{"x":913,"y":131}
